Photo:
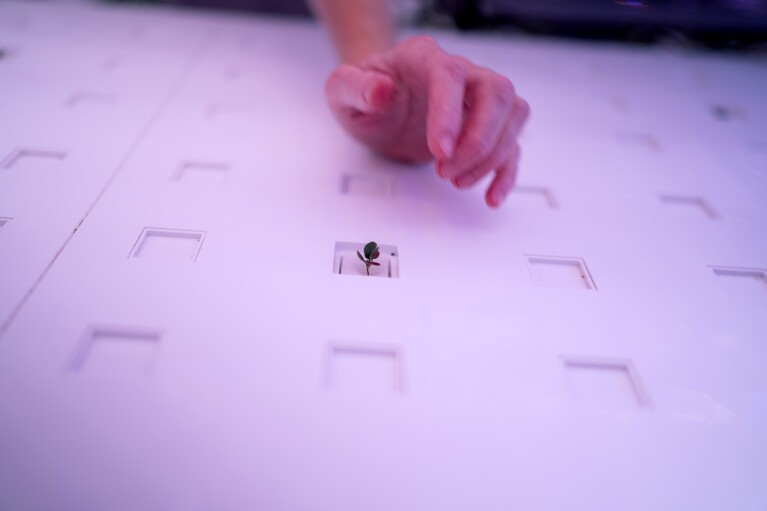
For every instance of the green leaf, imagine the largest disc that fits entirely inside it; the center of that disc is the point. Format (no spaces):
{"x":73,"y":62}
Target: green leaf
{"x":377,"y":254}
{"x":360,"y":256}
{"x":370,"y":249}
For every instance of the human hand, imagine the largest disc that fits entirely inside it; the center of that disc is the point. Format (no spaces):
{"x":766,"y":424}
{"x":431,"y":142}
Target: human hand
{"x":416,"y":103}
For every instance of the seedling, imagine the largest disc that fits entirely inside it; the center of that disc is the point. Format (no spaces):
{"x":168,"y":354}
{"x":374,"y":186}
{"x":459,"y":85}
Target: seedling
{"x":371,"y":254}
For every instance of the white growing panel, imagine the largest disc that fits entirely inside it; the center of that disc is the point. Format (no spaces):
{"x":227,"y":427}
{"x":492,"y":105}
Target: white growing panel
{"x":69,"y":124}
{"x":598,"y":343}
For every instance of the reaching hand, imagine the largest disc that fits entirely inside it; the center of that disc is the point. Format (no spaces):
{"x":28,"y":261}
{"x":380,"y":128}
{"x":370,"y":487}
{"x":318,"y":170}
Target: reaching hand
{"x":416,"y":102}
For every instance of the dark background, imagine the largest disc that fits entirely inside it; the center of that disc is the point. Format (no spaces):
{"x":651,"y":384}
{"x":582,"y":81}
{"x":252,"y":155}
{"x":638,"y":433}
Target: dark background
{"x":732,"y":24}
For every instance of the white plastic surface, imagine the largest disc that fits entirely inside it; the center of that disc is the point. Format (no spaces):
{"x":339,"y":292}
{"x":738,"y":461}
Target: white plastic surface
{"x":173,"y":335}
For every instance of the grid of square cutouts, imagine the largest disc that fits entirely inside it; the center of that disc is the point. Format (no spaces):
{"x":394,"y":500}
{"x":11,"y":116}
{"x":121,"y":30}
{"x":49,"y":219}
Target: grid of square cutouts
{"x":610,"y":383}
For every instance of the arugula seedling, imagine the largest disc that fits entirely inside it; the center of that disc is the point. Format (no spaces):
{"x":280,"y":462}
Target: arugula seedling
{"x":371,"y":254}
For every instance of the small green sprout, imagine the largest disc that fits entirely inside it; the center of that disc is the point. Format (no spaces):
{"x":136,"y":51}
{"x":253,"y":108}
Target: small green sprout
{"x":371,"y":254}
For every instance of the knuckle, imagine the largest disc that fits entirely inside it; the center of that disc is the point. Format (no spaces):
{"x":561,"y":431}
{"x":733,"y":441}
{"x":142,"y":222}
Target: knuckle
{"x":454,"y":68}
{"x":423,"y":42}
{"x":477,"y":146}
{"x":504,"y":90}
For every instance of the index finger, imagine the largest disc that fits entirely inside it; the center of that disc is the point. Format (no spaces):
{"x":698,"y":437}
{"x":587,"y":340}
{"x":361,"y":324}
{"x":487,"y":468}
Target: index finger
{"x":446,"y":85}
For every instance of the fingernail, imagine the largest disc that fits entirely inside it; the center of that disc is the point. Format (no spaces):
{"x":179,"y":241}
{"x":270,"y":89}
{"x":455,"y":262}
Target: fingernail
{"x":499,"y":197}
{"x":446,"y":146}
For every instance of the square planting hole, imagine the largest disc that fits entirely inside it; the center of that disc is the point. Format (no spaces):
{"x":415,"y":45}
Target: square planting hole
{"x":364,"y":367}
{"x":168,"y":244}
{"x":689,"y":206}
{"x":750,"y":283}
{"x":115,"y":350}
{"x":559,"y":272}
{"x":347,"y":262}
{"x":535,"y":196}
{"x":31,"y":159}
{"x":201,"y":172}
{"x":604,"y":384}
{"x":3,"y":222}
{"x":367,"y":185}
{"x":80,"y":99}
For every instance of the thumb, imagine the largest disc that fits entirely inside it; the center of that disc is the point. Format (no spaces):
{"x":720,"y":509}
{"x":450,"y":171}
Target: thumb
{"x":352,"y":88}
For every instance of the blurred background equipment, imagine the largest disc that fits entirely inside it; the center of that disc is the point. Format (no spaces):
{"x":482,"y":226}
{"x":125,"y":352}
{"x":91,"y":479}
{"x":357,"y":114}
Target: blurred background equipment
{"x":716,"y":22}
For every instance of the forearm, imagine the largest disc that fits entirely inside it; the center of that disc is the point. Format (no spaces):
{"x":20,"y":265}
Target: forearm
{"x":358,"y":28}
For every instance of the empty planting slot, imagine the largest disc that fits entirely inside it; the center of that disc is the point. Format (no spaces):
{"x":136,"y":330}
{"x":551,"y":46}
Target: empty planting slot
{"x":748,"y":283}
{"x":89,"y":98}
{"x":536,"y":196}
{"x":603,"y":384}
{"x":29,"y":159}
{"x":201,"y":172}
{"x":365,"y":367}
{"x":367,"y":185}
{"x":559,"y":272}
{"x":4,"y":221}
{"x":693,"y":206}
{"x":168,"y":244}
{"x":347,"y":262}
{"x":113,"y":350}
{"x":645,"y":140}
